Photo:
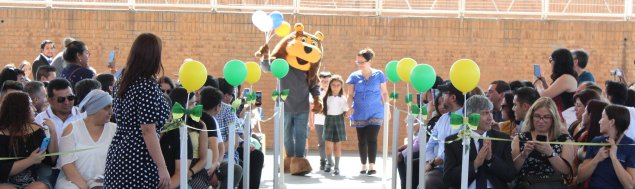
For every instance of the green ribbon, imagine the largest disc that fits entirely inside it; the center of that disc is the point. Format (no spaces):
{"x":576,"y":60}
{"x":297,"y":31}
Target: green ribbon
{"x":251,"y":98}
{"x":416,"y":110}
{"x":171,"y":125}
{"x":195,"y":113}
{"x":283,"y":95}
{"x":408,"y":99}
{"x":473,"y":120}
{"x":394,"y":95}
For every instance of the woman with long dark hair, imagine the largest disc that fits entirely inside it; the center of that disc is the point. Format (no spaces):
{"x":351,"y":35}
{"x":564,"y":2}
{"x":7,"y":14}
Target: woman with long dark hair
{"x":21,"y":137}
{"x":134,"y":157}
{"x":508,"y":126}
{"x":577,"y":128}
{"x":564,"y":77}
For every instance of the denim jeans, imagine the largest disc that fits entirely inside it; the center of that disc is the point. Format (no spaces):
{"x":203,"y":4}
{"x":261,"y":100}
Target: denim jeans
{"x":319,"y":131}
{"x":295,"y":133}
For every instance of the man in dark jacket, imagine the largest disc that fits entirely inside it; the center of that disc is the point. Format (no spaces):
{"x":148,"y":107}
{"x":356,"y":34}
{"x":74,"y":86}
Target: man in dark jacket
{"x":45,"y":58}
{"x":490,"y":162}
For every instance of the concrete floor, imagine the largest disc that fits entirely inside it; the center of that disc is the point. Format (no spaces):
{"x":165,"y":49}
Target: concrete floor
{"x":349,"y":174}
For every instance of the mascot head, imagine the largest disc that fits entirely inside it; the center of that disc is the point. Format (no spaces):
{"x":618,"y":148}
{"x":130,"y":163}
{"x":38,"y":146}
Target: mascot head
{"x":300,"y":49}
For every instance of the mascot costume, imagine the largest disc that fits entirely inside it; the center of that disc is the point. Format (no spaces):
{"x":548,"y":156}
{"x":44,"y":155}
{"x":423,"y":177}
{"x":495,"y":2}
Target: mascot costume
{"x":303,"y":52}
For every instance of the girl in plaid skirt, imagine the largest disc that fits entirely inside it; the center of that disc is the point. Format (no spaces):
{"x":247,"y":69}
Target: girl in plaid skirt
{"x":335,"y":106}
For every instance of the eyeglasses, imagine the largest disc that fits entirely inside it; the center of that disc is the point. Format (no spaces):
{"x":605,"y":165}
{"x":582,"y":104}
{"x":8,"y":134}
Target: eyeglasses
{"x":61,"y":99}
{"x":543,"y":118}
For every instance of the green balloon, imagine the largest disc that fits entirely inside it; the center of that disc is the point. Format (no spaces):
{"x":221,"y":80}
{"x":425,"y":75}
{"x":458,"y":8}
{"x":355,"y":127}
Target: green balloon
{"x":279,"y":68}
{"x":391,"y":71}
{"x":235,"y":72}
{"x":423,"y":77}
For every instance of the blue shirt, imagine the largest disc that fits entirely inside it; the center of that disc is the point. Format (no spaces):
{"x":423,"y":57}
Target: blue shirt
{"x":75,"y":73}
{"x":441,"y":130}
{"x":225,"y":117}
{"x":604,"y":175}
{"x":585,"y":76}
{"x":367,"y":103}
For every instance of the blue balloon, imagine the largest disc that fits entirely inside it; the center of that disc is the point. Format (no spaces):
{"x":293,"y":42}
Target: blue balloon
{"x":277,"y":18}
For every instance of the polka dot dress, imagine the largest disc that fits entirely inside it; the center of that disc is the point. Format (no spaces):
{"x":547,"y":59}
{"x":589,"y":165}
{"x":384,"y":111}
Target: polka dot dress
{"x":129,"y":164}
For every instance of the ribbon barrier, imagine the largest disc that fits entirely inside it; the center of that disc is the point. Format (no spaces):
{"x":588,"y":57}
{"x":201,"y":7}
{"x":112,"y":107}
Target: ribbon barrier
{"x":51,"y":154}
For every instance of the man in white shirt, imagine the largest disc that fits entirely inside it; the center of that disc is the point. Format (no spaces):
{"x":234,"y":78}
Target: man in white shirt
{"x":453,"y":100}
{"x":61,"y":111}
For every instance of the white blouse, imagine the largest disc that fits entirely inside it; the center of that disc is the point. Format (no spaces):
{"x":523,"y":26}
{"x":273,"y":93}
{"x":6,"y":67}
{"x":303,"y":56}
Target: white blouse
{"x":91,"y":164}
{"x":336,"y":105}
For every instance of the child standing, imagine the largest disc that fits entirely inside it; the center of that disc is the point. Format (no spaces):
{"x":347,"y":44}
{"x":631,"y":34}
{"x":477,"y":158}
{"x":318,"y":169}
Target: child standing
{"x":335,"y":106}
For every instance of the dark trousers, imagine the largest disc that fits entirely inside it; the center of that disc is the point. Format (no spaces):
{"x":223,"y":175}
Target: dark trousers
{"x":367,"y":143}
{"x":256,"y":163}
{"x":401,"y":169}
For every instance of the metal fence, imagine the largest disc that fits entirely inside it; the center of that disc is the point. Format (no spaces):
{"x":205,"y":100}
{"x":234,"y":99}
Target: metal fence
{"x":538,"y":9}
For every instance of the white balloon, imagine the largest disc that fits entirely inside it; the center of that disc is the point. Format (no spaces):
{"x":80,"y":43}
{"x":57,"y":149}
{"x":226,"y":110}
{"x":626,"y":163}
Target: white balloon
{"x":266,"y":24}
{"x":256,"y":18}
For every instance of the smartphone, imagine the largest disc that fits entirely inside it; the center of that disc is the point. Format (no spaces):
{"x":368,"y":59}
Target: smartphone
{"x":537,"y":71}
{"x":111,"y":57}
{"x":45,"y":144}
{"x":258,"y":97}
{"x":541,"y":138}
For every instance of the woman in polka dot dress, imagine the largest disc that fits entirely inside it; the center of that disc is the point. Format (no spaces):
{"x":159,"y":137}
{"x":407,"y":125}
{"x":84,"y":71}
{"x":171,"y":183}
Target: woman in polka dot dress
{"x":134,"y":157}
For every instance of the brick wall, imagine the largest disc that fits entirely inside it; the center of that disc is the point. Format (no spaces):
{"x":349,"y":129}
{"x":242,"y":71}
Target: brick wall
{"x":504,"y":49}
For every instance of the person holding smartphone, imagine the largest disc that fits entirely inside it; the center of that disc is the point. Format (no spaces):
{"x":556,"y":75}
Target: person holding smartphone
{"x":564,"y":80}
{"x":21,"y":137}
{"x":611,"y":166}
{"x":542,"y":165}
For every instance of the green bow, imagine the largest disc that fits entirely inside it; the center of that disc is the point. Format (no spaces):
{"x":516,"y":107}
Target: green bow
{"x":416,"y":110}
{"x":283,"y":95}
{"x":178,"y":111}
{"x":394,"y":95}
{"x":235,"y":105}
{"x":408,"y":99}
{"x":456,"y":120}
{"x":251,"y":97}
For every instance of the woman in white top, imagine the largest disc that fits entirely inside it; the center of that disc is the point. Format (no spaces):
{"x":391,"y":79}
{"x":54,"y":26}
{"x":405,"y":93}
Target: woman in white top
{"x":85,"y":169}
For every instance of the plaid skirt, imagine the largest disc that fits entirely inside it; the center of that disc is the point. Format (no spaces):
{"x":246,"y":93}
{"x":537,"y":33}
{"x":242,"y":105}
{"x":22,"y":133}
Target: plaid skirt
{"x":334,"y":128}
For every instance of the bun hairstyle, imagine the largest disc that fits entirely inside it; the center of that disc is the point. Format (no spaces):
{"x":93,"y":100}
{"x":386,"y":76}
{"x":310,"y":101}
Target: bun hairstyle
{"x":367,"y":53}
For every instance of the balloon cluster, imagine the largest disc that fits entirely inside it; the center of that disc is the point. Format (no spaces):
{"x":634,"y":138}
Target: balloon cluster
{"x":464,"y":74}
{"x":271,"y":22}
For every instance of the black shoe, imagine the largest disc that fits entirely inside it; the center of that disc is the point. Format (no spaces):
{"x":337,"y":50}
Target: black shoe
{"x":336,"y":171}
{"x":372,"y":172}
{"x":322,"y":164}
{"x":327,"y":169}
{"x":362,"y":172}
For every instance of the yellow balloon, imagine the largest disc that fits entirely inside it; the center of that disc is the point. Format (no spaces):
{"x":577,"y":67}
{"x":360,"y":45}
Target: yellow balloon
{"x":253,"y":72}
{"x":404,"y":67}
{"x":465,"y":75}
{"x":192,"y":75}
{"x":283,"y":29}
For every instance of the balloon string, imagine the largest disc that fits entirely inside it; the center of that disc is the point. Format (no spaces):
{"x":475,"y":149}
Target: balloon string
{"x":270,"y":37}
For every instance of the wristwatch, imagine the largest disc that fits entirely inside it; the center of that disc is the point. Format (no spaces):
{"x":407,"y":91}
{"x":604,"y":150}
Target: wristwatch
{"x":553,"y":154}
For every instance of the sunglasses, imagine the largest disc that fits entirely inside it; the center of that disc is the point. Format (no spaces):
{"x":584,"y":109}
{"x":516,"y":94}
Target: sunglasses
{"x":61,"y":99}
